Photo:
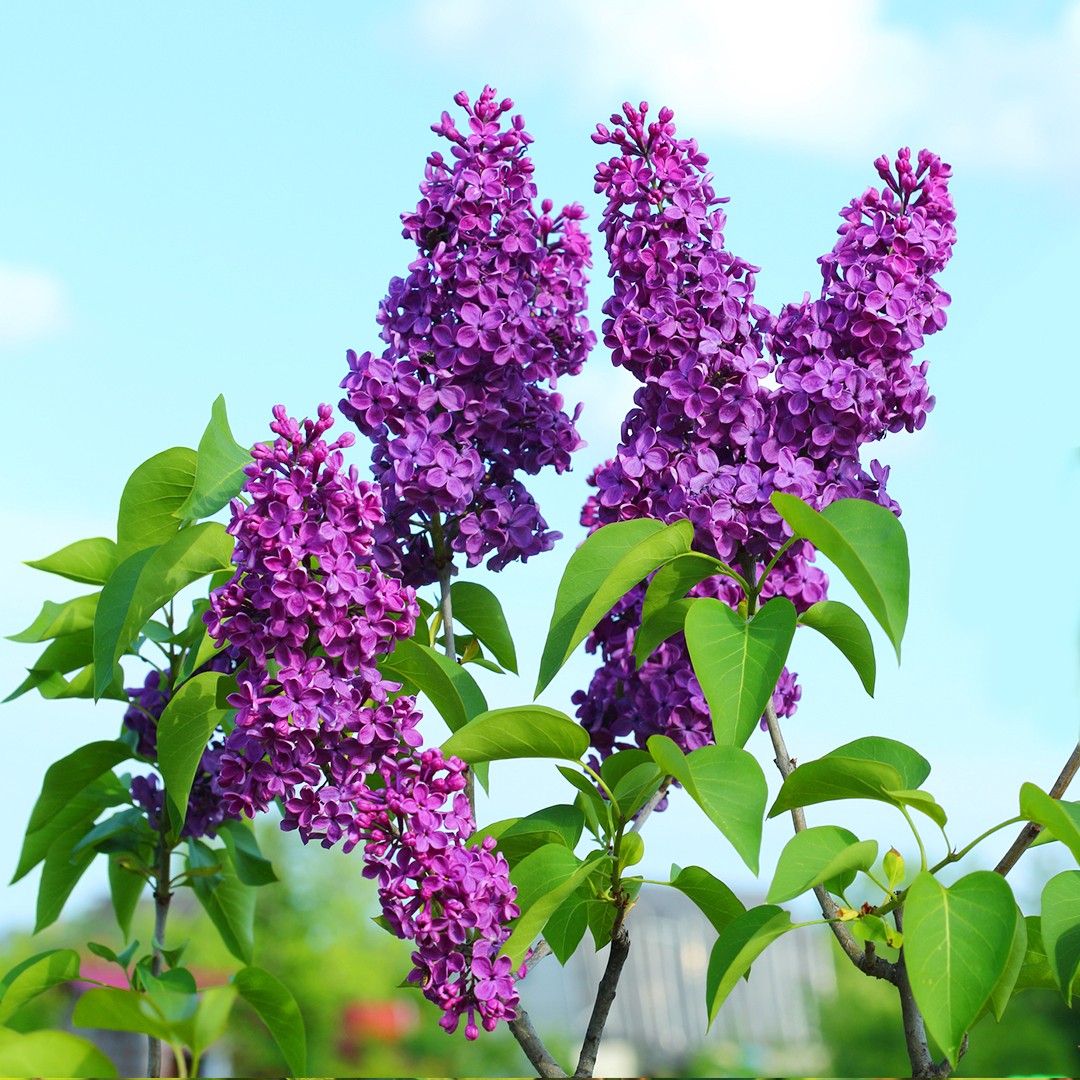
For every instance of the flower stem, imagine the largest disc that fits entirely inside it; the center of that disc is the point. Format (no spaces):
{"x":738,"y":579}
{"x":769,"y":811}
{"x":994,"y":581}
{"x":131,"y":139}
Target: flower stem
{"x":162,"y":899}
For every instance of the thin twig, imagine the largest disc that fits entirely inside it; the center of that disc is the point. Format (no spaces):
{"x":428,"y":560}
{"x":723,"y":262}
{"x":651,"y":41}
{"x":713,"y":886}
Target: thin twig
{"x":605,"y":998}
{"x":867,"y":962}
{"x":1030,"y":831}
{"x":657,"y":798}
{"x":162,"y":899}
{"x":523,"y":1030}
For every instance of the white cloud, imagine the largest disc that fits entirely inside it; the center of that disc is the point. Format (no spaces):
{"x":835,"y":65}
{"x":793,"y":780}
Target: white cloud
{"x":834,"y":76}
{"x":32,"y":305}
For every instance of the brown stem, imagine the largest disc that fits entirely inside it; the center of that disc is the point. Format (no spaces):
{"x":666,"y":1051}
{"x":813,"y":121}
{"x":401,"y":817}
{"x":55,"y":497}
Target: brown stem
{"x":162,"y":899}
{"x":867,"y":962}
{"x":605,"y":998}
{"x":523,"y":1030}
{"x":1030,"y":831}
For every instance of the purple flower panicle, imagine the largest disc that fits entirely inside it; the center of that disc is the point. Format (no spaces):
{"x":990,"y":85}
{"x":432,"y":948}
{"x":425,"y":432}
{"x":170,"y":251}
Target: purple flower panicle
{"x":736,"y":403}
{"x":490,"y":316}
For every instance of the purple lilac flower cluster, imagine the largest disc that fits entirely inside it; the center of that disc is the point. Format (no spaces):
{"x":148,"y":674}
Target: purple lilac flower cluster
{"x":488,"y":319}
{"x":318,"y":728}
{"x":206,"y":810}
{"x":737,"y":403}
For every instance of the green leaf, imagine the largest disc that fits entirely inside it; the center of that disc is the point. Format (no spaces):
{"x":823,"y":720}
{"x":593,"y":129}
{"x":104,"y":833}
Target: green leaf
{"x":870,"y":768}
{"x":874,"y":928}
{"x":219,"y":467}
{"x":445,"y":683}
{"x":66,"y":778}
{"x":594,"y":806}
{"x":1002,"y":993}
{"x":631,"y":851}
{"x":89,"y":561}
{"x":867,"y":545}
{"x":663,"y":624}
{"x":65,"y":654}
{"x":818,"y":855}
{"x":606,"y":567}
{"x":183,"y":731}
{"x":78,"y":813}
{"x":845,"y":628}
{"x":676,"y":578}
{"x":252,"y":866}
{"x":566,"y":927}
{"x":1061,"y":820}
{"x":128,"y":827}
{"x":523,"y":731}
{"x":957,"y":942}
{"x":34,"y":976}
{"x":149,"y":579}
{"x":543,"y":880}
{"x":1061,"y":928}
{"x":737,"y":662}
{"x":120,"y":1010}
{"x":59,"y":620}
{"x":278,"y":1010}
{"x":60,"y":874}
{"x":479,"y":611}
{"x":125,"y":889}
{"x":636,"y":787}
{"x":714,"y":899}
{"x":51,"y":1053}
{"x":153,"y":495}
{"x":560,"y":824}
{"x":226,"y":899}
{"x":727,"y":783}
{"x":212,"y":1017}
{"x":922,"y":801}
{"x":740,"y":943}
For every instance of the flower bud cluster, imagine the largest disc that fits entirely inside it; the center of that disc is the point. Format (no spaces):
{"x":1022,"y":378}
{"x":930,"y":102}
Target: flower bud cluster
{"x":318,"y":728}
{"x":464,"y":397}
{"x":736,"y":403}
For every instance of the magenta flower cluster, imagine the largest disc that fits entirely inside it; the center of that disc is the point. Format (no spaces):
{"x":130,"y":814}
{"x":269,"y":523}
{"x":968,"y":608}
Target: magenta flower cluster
{"x":309,"y":613}
{"x":736,"y":403}
{"x":477,"y":335}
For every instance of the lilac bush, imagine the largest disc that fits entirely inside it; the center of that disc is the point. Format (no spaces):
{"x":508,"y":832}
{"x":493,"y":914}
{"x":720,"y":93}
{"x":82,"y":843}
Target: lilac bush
{"x":489,"y":318}
{"x":308,"y":613}
{"x":737,"y":403}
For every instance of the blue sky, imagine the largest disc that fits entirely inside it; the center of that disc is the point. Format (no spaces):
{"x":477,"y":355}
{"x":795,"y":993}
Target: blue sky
{"x":203,"y":199}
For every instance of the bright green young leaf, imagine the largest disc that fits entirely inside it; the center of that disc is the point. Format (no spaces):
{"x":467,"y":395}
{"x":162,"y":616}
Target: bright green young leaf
{"x":874,"y":928}
{"x":910,"y":764}
{"x":478,"y":609}
{"x":125,"y":889}
{"x":226,"y":899}
{"x":737,"y":662}
{"x":219,"y":467}
{"x":560,"y":824}
{"x":89,"y":561}
{"x":58,"y":620}
{"x":278,"y":1010}
{"x":636,"y":787}
{"x":676,"y":578}
{"x":606,"y":567}
{"x":566,"y":927}
{"x":544,"y":880}
{"x":81,"y":685}
{"x":34,"y":976}
{"x":153,"y":495}
{"x":1061,"y":928}
{"x":1002,"y":993}
{"x":1061,"y":820}
{"x":252,"y":866}
{"x":65,"y":654}
{"x":957,"y":942}
{"x":922,"y":801}
{"x":188,"y":556}
{"x":740,"y":943}
{"x":532,"y":731}
{"x":184,"y":729}
{"x":597,"y":810}
{"x":714,"y":899}
{"x":817,"y":855}
{"x":446,"y":684}
{"x":658,"y":627}
{"x":77,"y":814}
{"x":867,"y":545}
{"x":212,"y":1016}
{"x":727,"y":783}
{"x":52,"y":1054}
{"x":601,"y":914}
{"x":847,"y":631}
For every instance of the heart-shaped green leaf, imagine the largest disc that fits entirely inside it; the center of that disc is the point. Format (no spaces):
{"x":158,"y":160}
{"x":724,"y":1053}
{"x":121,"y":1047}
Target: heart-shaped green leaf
{"x":1061,"y":928}
{"x":818,"y":855}
{"x":478,"y":609}
{"x":741,"y":942}
{"x":847,"y":631}
{"x":957,"y":942}
{"x":737,"y":661}
{"x":676,"y":578}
